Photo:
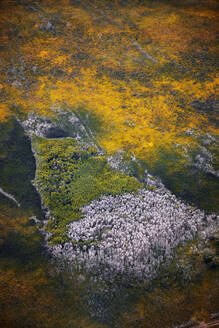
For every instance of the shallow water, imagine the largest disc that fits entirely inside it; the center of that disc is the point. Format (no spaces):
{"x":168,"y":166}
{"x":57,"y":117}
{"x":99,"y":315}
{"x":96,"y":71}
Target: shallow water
{"x":18,"y":167}
{"x":35,"y":293}
{"x":142,"y":79}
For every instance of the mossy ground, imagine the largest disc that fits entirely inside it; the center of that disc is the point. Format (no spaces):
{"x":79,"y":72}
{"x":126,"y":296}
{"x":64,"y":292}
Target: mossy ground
{"x":68,"y":177}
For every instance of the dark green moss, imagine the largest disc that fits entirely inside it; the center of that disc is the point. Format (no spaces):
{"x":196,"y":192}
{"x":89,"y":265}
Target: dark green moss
{"x":187,"y":181}
{"x":69,"y":177}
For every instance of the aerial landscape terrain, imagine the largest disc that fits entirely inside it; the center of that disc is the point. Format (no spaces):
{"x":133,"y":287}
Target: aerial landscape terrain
{"x":109,"y":164}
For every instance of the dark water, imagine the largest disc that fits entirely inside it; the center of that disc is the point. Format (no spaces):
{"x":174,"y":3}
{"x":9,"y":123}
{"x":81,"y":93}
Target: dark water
{"x":33,"y":292}
{"x":17,"y":167}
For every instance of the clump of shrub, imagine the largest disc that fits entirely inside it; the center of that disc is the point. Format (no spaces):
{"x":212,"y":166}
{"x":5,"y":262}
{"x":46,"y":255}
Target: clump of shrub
{"x":69,"y":176}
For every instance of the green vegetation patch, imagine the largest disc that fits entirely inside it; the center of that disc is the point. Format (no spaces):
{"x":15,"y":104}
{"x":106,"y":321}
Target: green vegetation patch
{"x":68,"y":177}
{"x":188,"y":181}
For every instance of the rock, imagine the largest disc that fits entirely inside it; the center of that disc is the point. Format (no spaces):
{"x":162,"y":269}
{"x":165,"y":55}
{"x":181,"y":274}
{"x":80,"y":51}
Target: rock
{"x":33,"y":220}
{"x":34,"y":68}
{"x":49,"y":26}
{"x":16,"y":84}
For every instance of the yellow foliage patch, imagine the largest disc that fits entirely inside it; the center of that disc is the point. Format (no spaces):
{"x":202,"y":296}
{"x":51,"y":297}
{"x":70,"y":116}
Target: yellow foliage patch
{"x":98,"y":59}
{"x":5,"y":112}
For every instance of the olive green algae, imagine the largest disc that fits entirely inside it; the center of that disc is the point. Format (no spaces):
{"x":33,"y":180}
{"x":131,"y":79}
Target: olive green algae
{"x":69,"y":177}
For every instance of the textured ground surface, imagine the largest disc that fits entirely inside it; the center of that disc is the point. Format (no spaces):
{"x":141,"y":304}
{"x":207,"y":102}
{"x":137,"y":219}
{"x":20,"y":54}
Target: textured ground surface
{"x":105,"y":92}
{"x":132,"y":234}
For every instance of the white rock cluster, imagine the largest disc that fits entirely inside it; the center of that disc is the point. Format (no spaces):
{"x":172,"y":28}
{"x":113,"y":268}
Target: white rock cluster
{"x":203,"y":162}
{"x":67,"y":123}
{"x":36,"y":125}
{"x":132,"y":234}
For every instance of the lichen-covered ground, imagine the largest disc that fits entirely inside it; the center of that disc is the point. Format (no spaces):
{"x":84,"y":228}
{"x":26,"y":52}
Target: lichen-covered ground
{"x":108,"y":95}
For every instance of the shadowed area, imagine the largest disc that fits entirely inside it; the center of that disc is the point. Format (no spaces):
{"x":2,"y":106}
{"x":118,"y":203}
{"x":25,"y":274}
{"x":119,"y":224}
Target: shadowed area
{"x":17,"y":167}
